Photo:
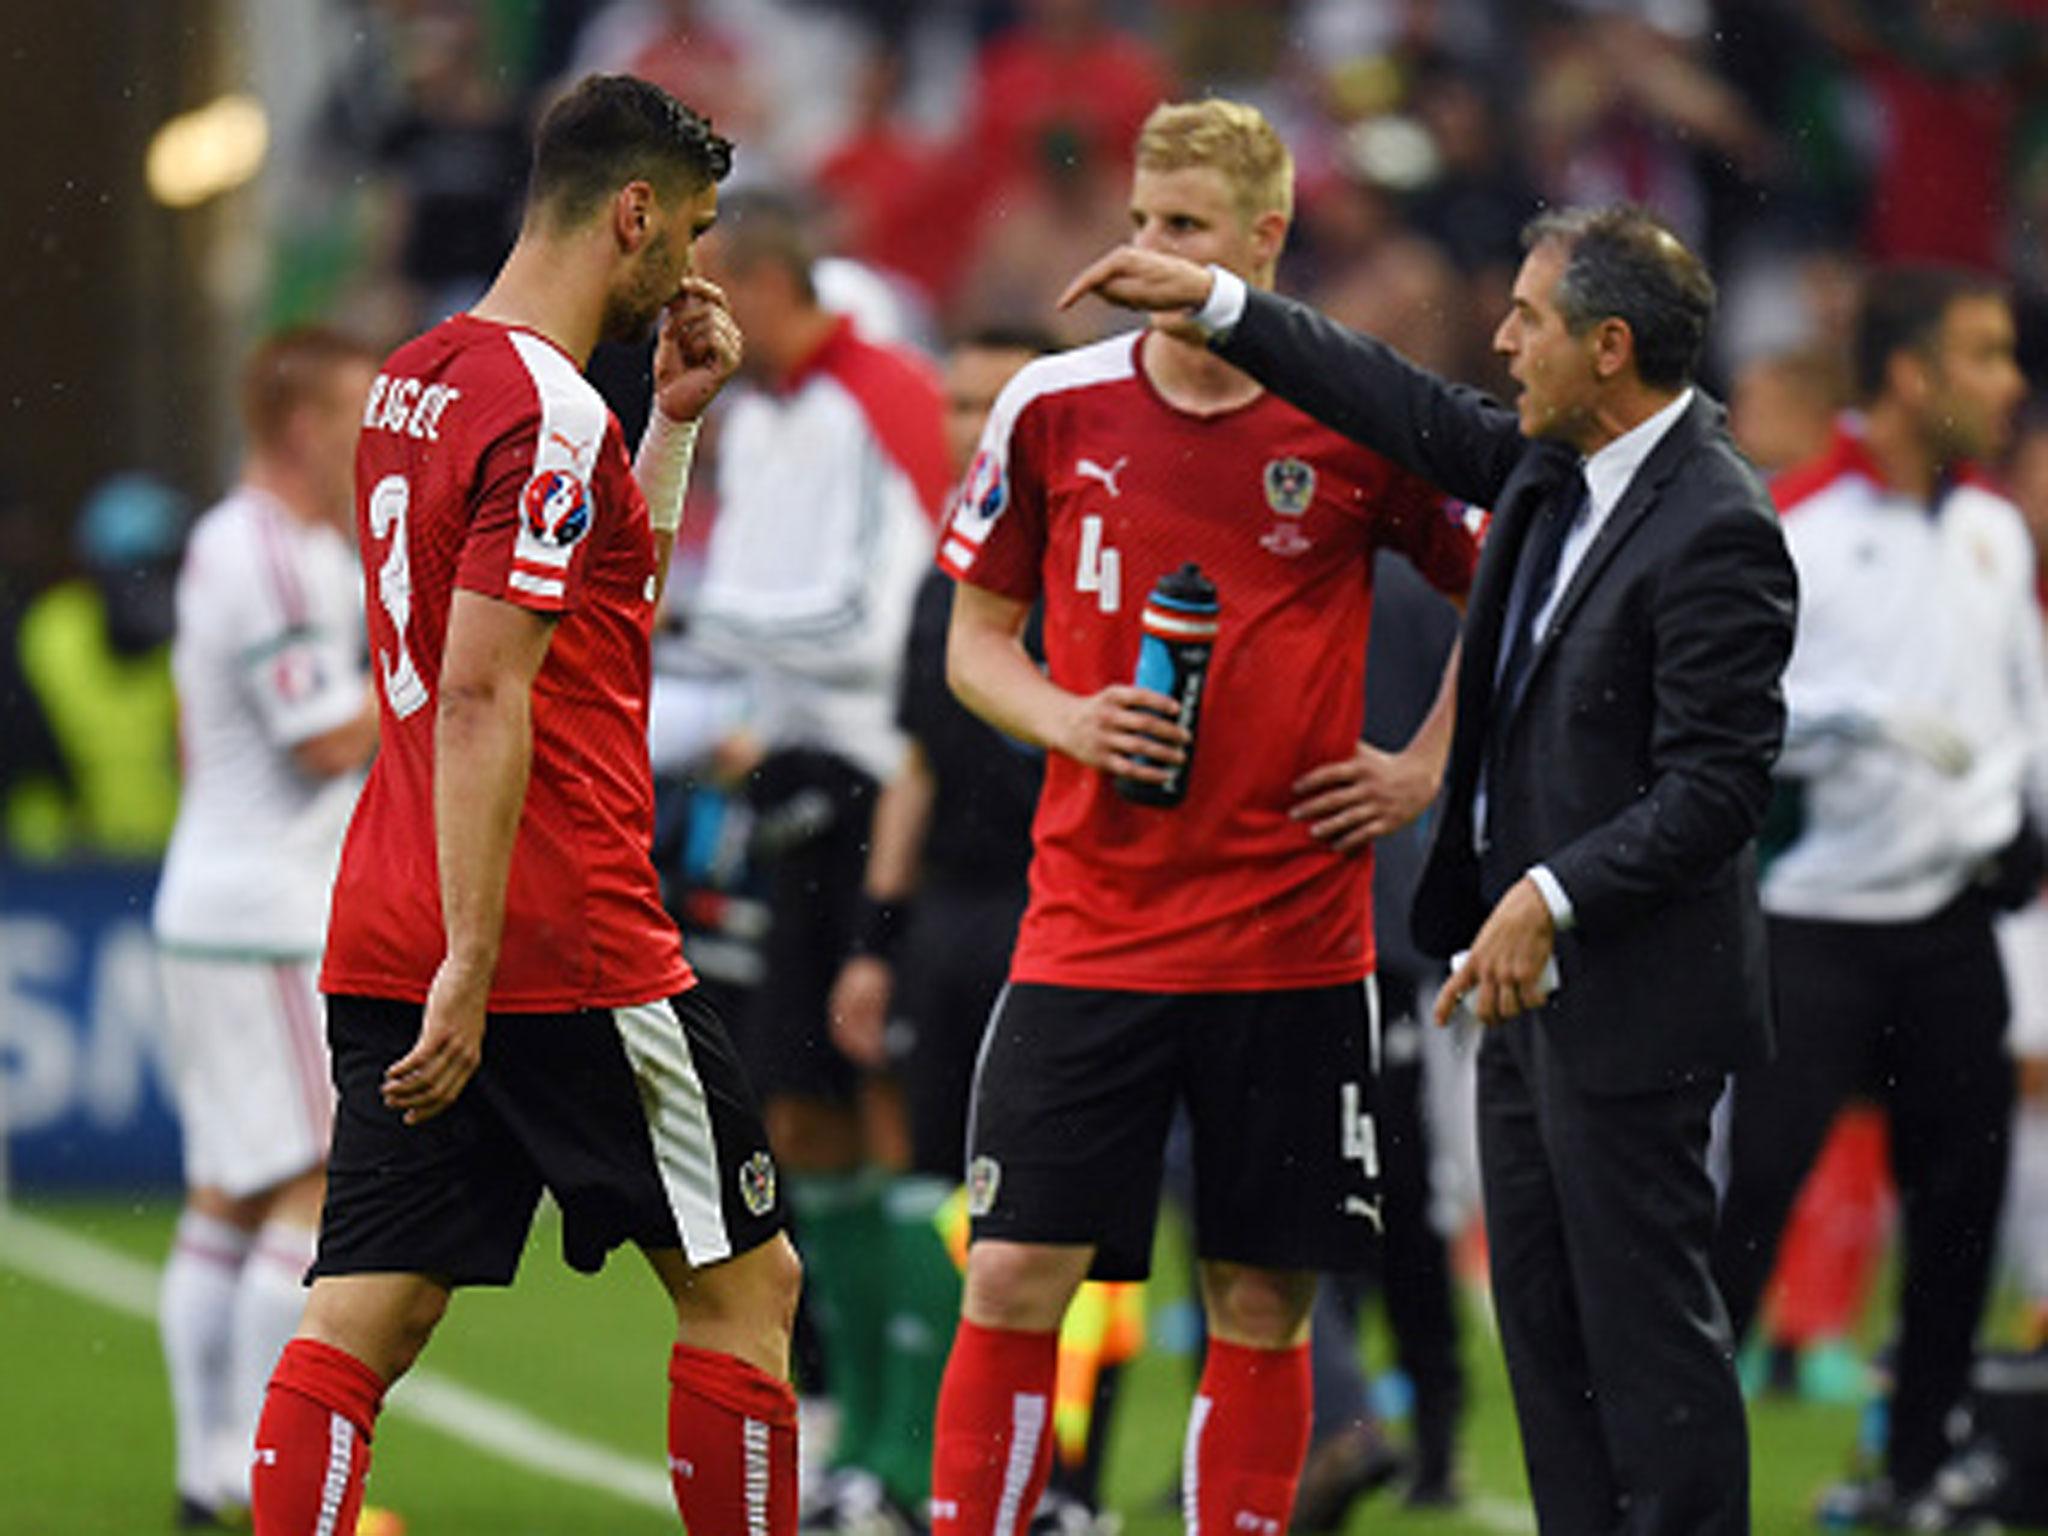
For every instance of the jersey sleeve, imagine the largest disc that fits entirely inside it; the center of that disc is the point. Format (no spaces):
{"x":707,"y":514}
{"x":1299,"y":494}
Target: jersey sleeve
{"x":532,"y":505}
{"x":995,"y":535}
{"x":300,"y":676}
{"x":1439,"y":534}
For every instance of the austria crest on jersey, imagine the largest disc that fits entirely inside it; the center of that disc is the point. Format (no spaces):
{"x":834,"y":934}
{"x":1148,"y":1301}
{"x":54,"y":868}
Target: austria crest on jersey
{"x":554,"y":516}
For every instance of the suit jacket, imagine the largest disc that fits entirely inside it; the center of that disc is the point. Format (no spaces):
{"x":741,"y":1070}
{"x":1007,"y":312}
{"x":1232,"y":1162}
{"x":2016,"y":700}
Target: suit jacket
{"x":1637,"y":761}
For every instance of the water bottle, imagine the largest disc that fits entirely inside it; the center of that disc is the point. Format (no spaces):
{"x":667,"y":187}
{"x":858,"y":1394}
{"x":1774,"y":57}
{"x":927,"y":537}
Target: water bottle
{"x":1179,"y":625}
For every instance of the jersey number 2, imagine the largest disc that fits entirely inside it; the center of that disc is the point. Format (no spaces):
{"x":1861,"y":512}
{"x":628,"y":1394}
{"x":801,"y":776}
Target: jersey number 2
{"x":403,"y":689}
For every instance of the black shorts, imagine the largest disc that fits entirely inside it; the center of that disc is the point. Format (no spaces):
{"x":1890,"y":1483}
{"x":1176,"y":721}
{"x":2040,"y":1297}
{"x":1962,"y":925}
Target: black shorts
{"x":1076,"y":1088}
{"x":637,"y":1120}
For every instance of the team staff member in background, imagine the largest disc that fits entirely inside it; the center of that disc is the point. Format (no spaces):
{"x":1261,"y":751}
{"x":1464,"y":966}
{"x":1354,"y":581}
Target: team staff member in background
{"x":497,"y":873}
{"x":1216,"y":954}
{"x":1618,"y":712}
{"x":1918,"y":737}
{"x":831,"y":479}
{"x":277,"y":720}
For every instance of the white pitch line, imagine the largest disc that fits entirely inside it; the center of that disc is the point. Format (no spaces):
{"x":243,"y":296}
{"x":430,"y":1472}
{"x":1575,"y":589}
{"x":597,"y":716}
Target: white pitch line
{"x":49,"y":1253}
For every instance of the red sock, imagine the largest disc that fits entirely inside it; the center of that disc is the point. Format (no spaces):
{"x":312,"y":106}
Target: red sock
{"x":731,"y":1446}
{"x":313,"y":1442}
{"x":1247,"y":1437}
{"x":993,"y":1441}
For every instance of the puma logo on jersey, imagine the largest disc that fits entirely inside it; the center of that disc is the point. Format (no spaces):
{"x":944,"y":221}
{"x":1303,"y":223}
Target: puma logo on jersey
{"x":575,"y":449}
{"x":1088,"y":469}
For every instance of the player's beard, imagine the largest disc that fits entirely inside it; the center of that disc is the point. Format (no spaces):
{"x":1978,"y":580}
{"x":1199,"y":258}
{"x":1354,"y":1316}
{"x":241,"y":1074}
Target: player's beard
{"x":631,"y":312}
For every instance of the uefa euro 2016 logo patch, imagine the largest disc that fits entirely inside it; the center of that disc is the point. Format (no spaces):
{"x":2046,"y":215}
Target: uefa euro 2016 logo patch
{"x":555,"y":507}
{"x":983,"y":494}
{"x":757,"y":1183}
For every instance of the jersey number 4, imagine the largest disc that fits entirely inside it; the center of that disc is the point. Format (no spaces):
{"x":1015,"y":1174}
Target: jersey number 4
{"x":389,"y":502}
{"x":1100,"y":569}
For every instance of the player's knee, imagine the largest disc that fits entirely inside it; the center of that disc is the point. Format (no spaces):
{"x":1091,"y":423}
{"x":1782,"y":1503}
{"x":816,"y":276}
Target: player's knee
{"x":1260,"y":1308}
{"x":1022,"y":1286}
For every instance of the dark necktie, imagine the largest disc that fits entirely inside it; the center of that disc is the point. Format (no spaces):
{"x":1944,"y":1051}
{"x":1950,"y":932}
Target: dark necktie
{"x":1535,"y":579}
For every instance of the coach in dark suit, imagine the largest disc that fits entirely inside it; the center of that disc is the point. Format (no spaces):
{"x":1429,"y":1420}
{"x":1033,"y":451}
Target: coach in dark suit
{"x":1617,"y":715}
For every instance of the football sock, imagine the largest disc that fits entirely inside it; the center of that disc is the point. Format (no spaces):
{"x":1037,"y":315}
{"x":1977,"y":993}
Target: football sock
{"x":924,"y":1303}
{"x":992,"y":1444}
{"x":313,"y":1443}
{"x":840,"y":1228}
{"x":269,"y":1299}
{"x":195,"y":1311}
{"x":731,"y":1446}
{"x":1247,"y":1436}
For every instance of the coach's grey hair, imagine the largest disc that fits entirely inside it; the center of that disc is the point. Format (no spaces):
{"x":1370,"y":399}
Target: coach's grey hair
{"x":1623,"y":263}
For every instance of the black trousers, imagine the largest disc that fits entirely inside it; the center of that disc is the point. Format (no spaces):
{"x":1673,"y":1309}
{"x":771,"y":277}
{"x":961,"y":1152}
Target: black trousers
{"x":1913,"y":1014}
{"x":1599,"y":1219}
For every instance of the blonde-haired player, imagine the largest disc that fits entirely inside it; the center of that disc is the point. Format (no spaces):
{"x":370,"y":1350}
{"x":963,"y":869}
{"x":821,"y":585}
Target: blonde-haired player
{"x":1214,"y":955}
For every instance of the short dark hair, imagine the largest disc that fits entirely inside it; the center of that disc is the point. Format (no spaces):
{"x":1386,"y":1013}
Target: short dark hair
{"x":1623,"y":263}
{"x":1902,"y":311}
{"x":288,"y":368}
{"x":764,"y":226}
{"x":612,"y":129}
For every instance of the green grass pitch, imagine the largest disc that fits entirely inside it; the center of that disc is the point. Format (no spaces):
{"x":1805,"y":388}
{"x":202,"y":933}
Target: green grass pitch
{"x":85,"y":1445}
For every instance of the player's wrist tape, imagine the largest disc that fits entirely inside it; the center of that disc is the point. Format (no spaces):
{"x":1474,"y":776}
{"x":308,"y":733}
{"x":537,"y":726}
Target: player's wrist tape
{"x":879,"y":926}
{"x":663,"y":468}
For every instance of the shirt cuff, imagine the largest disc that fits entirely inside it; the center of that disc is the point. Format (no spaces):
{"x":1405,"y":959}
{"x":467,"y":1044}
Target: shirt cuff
{"x":1224,"y":307}
{"x":1553,"y":897}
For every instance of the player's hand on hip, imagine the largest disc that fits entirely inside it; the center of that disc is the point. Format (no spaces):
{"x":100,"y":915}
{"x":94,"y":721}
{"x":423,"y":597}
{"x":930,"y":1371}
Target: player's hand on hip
{"x":1141,"y":279}
{"x":697,"y":348}
{"x":859,"y":1009}
{"x":1128,"y":731}
{"x":1349,"y":802}
{"x":431,"y":1076}
{"x":1504,"y":969}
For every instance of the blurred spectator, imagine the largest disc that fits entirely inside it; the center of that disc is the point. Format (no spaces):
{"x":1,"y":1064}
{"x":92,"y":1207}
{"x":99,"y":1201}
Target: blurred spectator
{"x":1946,"y":79}
{"x":1782,"y":408}
{"x":1063,"y":68}
{"x":683,"y":49}
{"x":1071,"y":210}
{"x":36,"y":787}
{"x":1621,"y":109}
{"x":96,"y":651}
{"x":452,"y":156}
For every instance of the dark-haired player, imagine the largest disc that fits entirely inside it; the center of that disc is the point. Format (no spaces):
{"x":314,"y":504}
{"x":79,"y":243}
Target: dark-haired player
{"x":509,"y":1008}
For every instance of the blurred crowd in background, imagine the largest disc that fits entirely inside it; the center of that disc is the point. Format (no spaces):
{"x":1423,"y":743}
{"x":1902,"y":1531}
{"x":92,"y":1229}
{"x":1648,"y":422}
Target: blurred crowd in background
{"x":970,"y":155}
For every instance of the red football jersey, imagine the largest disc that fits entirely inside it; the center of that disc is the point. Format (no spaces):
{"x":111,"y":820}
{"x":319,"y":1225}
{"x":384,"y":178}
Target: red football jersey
{"x":488,"y":462}
{"x":1087,"y":488}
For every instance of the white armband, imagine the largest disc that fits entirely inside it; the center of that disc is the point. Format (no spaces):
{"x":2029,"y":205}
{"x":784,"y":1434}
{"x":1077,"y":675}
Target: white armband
{"x":662,"y":467}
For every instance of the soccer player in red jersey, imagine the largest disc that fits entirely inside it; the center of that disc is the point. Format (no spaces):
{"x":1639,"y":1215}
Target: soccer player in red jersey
{"x":509,"y":1008}
{"x":1216,"y":954}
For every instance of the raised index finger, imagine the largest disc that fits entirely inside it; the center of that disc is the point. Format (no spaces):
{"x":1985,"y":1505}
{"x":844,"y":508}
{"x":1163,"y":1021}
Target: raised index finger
{"x":1091,"y":277}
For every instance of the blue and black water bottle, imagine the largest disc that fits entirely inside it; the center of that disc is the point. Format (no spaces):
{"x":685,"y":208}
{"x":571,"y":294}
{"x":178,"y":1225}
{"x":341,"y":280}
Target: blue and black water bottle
{"x":1179,"y":624}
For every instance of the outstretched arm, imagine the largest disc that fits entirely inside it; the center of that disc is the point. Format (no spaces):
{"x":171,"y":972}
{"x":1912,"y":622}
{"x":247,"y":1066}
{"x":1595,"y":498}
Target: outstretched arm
{"x":1452,"y":436}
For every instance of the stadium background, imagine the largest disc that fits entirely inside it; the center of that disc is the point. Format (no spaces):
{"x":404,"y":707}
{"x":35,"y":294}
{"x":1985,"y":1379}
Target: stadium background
{"x":183,"y":176}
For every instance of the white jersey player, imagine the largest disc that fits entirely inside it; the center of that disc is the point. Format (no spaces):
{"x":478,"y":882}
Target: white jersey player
{"x":275,"y":727}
